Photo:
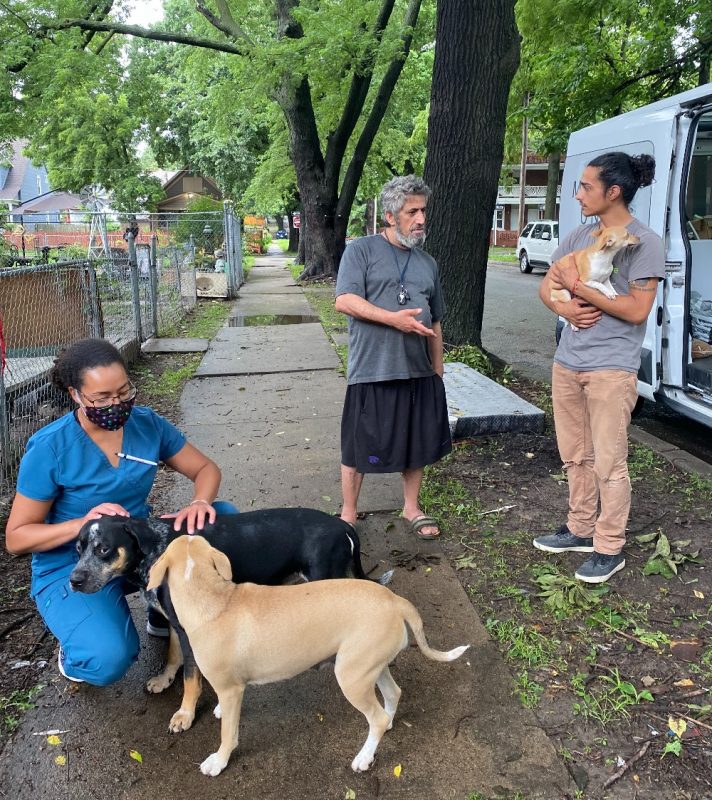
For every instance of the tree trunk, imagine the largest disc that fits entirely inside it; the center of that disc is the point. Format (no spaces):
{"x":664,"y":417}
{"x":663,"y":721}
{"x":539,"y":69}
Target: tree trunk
{"x":475,"y":60}
{"x":552,"y":184}
{"x":301,"y":238}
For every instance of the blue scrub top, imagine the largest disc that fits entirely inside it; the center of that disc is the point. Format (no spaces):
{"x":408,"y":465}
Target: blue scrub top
{"x":61,"y":463}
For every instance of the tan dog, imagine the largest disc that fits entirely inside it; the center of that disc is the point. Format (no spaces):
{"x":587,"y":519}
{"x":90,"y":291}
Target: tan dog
{"x":595,"y":262}
{"x":245,"y":633}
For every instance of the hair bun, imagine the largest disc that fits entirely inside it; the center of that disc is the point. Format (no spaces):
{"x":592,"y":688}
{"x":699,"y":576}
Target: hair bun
{"x":643,"y":169}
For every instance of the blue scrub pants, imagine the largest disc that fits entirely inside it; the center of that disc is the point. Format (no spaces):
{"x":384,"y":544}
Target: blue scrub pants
{"x":95,"y":631}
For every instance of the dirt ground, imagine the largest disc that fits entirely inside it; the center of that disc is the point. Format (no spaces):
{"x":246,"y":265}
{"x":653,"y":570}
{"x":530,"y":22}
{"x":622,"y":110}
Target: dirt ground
{"x":619,"y":681}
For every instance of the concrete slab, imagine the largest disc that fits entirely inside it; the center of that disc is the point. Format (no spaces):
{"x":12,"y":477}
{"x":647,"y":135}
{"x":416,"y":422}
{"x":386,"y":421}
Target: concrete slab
{"x":288,"y":348}
{"x":340,"y":338}
{"x":478,"y":405}
{"x":269,"y":286}
{"x":285,"y":462}
{"x":251,"y":304}
{"x":232,"y":399}
{"x":169,"y":345}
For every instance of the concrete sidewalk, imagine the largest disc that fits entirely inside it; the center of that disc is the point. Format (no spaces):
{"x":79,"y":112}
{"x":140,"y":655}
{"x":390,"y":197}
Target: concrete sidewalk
{"x":266,"y":404}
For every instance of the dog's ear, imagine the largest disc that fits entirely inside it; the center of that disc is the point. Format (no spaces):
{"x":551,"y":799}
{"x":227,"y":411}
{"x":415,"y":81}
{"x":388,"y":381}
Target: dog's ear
{"x":157,"y":573}
{"x":222,"y":564}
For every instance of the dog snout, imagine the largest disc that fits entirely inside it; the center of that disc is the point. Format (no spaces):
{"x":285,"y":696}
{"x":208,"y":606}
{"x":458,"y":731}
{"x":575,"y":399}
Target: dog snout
{"x":77,"y":579}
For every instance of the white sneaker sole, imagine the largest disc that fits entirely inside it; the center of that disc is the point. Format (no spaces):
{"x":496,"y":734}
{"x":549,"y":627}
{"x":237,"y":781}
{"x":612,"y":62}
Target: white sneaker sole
{"x":548,"y":549}
{"x":64,"y":674}
{"x":599,"y":578}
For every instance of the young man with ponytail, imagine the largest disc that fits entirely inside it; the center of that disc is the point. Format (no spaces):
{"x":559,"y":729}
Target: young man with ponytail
{"x":594,"y":379}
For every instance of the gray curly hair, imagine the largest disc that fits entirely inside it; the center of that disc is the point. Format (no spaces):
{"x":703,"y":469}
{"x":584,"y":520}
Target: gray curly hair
{"x":395,"y":192}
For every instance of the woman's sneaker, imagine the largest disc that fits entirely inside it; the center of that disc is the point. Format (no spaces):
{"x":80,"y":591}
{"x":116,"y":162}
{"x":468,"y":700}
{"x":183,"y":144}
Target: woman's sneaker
{"x":564,"y":541}
{"x":60,"y":667}
{"x":600,"y":567}
{"x":157,"y":624}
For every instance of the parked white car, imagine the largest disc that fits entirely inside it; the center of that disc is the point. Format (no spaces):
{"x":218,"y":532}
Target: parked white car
{"x":536,"y":244}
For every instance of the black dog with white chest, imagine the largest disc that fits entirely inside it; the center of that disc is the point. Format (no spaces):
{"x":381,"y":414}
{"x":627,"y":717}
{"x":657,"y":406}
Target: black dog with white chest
{"x":263,"y":547}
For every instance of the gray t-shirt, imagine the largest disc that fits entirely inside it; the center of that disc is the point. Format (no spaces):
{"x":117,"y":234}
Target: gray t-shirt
{"x":370,"y":268}
{"x":611,"y":343}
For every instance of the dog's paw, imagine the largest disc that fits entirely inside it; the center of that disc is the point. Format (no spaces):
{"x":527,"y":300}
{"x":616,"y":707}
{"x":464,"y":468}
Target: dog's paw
{"x":181,"y":720}
{"x":362,"y":762}
{"x":213,"y":765}
{"x":159,"y":683}
{"x":217,"y":712}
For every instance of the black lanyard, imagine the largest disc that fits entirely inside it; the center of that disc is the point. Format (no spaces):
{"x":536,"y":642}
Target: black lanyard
{"x":403,"y":295}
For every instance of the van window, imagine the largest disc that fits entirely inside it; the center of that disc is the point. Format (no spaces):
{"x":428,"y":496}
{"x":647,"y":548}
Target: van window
{"x":527,"y":228}
{"x":698,"y":201}
{"x":536,"y":233}
{"x":556,"y":231}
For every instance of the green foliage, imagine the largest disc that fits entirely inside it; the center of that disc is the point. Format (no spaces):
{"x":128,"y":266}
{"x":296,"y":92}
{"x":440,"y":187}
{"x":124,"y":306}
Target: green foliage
{"x":12,"y":706}
{"x":471,"y":355}
{"x":565,"y":595}
{"x":609,"y":700}
{"x":529,"y":692}
{"x":524,"y":645}
{"x":667,"y":557}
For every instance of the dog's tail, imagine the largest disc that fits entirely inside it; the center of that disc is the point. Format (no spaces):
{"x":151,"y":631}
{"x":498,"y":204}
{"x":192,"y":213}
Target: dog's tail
{"x":415,"y":623}
{"x":357,"y":567}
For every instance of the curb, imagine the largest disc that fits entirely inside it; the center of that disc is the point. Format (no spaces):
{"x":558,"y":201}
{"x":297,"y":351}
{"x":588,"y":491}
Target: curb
{"x":680,"y":459}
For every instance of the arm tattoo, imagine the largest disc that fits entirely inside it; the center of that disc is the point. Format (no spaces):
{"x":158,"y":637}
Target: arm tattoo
{"x":641,"y":285}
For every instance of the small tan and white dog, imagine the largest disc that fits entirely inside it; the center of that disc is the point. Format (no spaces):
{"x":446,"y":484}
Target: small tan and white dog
{"x":245,"y":633}
{"x":595,"y":262}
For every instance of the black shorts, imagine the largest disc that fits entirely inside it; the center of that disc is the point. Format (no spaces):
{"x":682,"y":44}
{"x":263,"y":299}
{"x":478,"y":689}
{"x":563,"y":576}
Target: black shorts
{"x":390,"y":426}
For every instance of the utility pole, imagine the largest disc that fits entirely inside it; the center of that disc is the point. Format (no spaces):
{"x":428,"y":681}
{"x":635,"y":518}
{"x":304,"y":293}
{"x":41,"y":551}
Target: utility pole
{"x":523,"y":165}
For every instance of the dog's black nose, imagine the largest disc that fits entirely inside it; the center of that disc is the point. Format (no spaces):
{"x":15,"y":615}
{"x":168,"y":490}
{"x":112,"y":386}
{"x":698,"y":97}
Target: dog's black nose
{"x":76,"y":580}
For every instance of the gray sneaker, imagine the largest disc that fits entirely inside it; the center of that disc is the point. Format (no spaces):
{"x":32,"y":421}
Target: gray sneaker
{"x":563,"y":541}
{"x":600,"y":567}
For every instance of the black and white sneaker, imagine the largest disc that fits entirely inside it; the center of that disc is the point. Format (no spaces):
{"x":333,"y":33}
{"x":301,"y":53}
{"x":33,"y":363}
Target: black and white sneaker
{"x":600,"y":567}
{"x":157,"y":625}
{"x":564,"y":541}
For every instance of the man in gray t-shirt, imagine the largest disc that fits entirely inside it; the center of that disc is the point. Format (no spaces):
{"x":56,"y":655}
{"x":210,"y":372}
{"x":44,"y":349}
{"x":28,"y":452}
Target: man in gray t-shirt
{"x":395,"y":414}
{"x":594,"y":378}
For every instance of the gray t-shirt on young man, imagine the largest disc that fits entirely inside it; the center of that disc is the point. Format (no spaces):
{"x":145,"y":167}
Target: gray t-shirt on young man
{"x":611,"y":343}
{"x":371,"y":268}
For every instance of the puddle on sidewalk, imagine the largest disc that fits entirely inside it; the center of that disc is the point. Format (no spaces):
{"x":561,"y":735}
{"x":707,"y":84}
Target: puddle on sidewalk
{"x":270,"y":319}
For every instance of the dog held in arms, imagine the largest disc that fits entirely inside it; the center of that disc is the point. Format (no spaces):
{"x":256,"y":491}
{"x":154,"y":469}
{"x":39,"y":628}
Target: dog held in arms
{"x":265,"y":547}
{"x":244,"y":633}
{"x":595,"y":262}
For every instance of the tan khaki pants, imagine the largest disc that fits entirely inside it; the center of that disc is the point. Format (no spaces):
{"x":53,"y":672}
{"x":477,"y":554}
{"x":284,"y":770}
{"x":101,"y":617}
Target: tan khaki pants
{"x":591,"y":413}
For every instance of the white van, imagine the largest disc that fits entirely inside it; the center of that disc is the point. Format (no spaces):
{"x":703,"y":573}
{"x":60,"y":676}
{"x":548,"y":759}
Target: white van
{"x":678,"y":206}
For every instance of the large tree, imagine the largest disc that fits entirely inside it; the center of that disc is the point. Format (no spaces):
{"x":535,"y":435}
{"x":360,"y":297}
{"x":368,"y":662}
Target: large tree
{"x":332,"y":67}
{"x":476,"y":56}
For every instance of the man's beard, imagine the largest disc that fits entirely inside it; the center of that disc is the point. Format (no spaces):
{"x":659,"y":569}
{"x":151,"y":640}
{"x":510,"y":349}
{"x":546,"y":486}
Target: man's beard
{"x":416,"y":239}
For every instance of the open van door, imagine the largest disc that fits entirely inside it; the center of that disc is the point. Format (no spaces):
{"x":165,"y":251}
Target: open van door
{"x":633,"y":135}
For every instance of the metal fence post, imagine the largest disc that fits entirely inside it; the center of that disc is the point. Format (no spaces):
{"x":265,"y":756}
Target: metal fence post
{"x":229,"y":254}
{"x":237,"y":245}
{"x":5,"y":452}
{"x":94,"y":305}
{"x":153,"y":278}
{"x":135,"y":292}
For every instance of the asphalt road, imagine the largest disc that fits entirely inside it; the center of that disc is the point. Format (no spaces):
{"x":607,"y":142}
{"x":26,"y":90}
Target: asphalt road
{"x":519,"y":329}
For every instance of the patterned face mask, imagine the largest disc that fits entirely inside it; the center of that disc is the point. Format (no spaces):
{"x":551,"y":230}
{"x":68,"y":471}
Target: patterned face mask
{"x":112,"y":417}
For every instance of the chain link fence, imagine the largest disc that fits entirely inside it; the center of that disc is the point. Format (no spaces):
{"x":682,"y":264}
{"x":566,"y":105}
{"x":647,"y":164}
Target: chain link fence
{"x":131,"y":294}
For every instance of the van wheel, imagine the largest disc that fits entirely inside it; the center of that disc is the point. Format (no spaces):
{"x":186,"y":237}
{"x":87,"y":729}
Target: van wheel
{"x":524,"y":265}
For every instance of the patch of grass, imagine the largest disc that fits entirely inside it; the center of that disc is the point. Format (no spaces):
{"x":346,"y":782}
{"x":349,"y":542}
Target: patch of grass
{"x":323,"y":304}
{"x":641,"y":461}
{"x":11,"y":707}
{"x":295,"y":269}
{"x":526,"y":645}
{"x":529,"y":692}
{"x":503,"y":254}
{"x":169,"y":383}
{"x":204,"y":321}
{"x":610,"y":700}
{"x":477,"y":359}
{"x":448,"y":497}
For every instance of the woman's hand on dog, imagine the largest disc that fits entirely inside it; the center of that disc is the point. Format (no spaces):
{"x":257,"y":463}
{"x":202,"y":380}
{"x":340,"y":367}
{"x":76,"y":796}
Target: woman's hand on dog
{"x":194,"y":515}
{"x":105,"y":509}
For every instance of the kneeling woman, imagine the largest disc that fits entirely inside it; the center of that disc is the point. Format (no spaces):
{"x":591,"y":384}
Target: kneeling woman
{"x":101,"y":458}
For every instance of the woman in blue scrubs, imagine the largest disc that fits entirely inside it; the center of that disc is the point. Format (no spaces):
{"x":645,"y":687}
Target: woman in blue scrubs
{"x":101,"y":458}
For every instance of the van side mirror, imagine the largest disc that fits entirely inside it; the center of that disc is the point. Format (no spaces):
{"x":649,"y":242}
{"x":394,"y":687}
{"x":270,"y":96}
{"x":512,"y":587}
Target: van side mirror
{"x":546,"y":235}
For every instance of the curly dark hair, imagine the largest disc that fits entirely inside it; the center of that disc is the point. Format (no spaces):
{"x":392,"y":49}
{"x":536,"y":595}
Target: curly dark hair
{"x":629,"y":172}
{"x":72,"y":362}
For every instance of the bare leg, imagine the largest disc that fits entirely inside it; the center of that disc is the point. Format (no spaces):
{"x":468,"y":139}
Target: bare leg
{"x":351,"y":481}
{"x":412,"y":479}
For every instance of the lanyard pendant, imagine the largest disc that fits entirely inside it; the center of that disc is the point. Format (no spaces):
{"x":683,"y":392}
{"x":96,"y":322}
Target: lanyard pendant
{"x":403,"y":296}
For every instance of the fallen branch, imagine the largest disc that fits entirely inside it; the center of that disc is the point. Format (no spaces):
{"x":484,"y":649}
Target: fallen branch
{"x":627,"y":635}
{"x":628,"y":764}
{"x":16,"y":624}
{"x":495,"y":510}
